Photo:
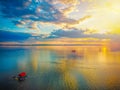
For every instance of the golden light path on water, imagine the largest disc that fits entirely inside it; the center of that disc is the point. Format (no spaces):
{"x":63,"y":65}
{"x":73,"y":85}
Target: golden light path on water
{"x":96,"y":66}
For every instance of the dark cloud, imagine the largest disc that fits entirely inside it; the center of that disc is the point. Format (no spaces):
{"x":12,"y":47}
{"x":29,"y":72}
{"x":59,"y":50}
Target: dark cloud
{"x":34,"y":10}
{"x":17,"y":22}
{"x":74,"y":33}
{"x":14,"y":8}
{"x":6,"y":36}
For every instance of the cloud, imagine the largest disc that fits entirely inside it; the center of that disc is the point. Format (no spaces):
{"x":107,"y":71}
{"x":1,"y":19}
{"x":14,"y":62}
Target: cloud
{"x":20,"y":11}
{"x":72,"y":35}
{"x":68,"y":1}
{"x":28,"y":10}
{"x":34,"y":26}
{"x":75,"y":33}
{"x":71,"y":6}
{"x":7,"y":36}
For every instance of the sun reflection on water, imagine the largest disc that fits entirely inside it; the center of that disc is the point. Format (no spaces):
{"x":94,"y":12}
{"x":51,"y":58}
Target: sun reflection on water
{"x":66,"y":67}
{"x":90,"y":62}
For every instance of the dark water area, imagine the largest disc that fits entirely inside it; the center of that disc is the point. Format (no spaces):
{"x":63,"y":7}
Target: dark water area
{"x":60,"y":68}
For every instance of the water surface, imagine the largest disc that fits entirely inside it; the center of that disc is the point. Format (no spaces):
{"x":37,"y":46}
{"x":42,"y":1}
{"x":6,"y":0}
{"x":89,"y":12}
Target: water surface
{"x":60,"y":68}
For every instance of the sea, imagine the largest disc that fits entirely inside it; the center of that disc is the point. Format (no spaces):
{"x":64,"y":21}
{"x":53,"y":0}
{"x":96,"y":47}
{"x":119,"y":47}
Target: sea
{"x":60,"y":68}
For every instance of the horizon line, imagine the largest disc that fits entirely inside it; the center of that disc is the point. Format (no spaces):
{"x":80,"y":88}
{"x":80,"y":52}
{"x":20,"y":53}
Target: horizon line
{"x":51,"y":44}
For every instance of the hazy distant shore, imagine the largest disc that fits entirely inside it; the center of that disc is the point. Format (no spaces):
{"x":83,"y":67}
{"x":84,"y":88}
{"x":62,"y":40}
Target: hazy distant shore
{"x":50,"y":44}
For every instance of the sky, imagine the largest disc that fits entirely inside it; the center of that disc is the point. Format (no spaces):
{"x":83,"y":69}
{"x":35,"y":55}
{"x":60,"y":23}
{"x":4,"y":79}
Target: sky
{"x":61,"y":21}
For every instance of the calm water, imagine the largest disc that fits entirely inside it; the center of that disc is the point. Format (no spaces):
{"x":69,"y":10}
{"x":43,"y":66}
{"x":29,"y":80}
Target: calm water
{"x":60,"y":68}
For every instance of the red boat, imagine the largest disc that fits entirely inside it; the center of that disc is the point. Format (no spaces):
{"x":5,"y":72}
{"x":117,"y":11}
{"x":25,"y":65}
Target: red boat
{"x":22,"y":74}
{"x":73,"y":51}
